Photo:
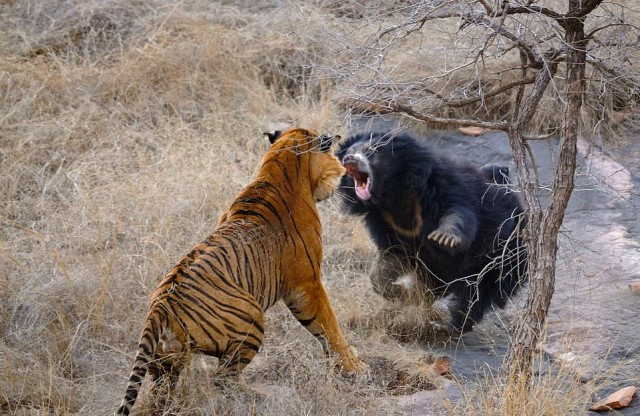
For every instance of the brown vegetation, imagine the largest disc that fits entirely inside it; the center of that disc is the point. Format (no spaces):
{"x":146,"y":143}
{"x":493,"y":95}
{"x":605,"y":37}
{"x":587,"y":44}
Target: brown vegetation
{"x":125,"y":128}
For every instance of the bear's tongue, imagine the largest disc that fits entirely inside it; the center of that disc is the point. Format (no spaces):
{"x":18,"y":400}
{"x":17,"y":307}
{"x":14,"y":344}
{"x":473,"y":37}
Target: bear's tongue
{"x":362,"y":189}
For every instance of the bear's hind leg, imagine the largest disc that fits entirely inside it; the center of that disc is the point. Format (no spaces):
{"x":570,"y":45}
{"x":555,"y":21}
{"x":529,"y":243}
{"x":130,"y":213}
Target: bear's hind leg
{"x":471,"y":302}
{"x":386,"y":270}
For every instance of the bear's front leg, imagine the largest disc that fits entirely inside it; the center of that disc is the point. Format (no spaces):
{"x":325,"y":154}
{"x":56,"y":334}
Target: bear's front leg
{"x":456,"y":230}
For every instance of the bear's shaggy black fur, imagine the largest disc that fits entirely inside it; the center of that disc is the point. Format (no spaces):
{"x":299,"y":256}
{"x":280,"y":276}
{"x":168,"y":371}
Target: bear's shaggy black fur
{"x":457,"y":226}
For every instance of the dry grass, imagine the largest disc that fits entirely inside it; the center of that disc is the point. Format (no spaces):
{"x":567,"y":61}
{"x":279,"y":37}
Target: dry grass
{"x":552,"y":392}
{"x":125,"y":128}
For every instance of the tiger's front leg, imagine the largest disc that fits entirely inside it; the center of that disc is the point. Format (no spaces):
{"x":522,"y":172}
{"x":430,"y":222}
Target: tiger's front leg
{"x":311,"y":307}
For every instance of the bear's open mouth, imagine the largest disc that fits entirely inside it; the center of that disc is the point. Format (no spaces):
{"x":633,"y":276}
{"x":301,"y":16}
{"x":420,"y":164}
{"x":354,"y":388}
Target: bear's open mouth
{"x":361,"y":178}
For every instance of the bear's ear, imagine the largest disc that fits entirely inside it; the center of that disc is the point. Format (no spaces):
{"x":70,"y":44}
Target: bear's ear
{"x":273,"y":135}
{"x":326,"y":141}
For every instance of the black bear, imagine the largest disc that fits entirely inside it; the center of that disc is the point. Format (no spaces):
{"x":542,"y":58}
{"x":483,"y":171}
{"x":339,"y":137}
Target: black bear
{"x":456,"y":226}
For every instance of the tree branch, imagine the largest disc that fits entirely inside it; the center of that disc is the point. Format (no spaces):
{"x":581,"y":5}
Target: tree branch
{"x":587,"y":7}
{"x":419,"y":23}
{"x":535,"y":61}
{"x":500,"y":90}
{"x":596,"y":30}
{"x":487,"y":7}
{"x":530,"y":104}
{"x":508,"y":8}
{"x":628,"y":81}
{"x":408,"y":111}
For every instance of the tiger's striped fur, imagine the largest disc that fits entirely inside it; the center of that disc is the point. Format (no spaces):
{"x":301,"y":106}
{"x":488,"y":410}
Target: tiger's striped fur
{"x":267,"y":246}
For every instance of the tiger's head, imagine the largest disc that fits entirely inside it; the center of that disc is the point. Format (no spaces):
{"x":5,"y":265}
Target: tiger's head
{"x":306,"y":150}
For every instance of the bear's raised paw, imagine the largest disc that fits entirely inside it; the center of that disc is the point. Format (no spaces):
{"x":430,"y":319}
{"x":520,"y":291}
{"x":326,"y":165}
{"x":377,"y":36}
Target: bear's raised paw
{"x":445,"y":239}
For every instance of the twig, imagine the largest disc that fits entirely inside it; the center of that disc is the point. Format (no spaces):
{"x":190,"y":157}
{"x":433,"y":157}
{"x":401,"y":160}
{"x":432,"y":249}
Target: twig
{"x":462,"y":103}
{"x":410,"y":112}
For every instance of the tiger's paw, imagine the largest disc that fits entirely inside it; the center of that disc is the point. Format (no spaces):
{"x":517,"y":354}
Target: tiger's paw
{"x":361,"y":373}
{"x":351,"y":365}
{"x":355,"y":367}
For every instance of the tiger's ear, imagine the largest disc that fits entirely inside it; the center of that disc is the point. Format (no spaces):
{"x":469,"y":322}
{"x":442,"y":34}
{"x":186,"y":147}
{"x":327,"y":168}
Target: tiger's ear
{"x":273,"y":135}
{"x":326,"y":142}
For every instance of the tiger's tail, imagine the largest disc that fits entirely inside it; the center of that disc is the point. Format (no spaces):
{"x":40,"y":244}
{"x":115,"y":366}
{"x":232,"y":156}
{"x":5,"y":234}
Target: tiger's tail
{"x":148,"y":342}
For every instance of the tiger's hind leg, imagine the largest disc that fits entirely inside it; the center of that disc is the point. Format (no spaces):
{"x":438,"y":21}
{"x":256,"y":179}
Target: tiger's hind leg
{"x":165,"y":368}
{"x":165,"y":372}
{"x":311,"y":307}
{"x":233,"y":362}
{"x":245,"y":339}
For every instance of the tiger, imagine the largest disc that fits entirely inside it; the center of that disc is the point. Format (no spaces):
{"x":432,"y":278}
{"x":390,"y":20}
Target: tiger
{"x":266,"y":246}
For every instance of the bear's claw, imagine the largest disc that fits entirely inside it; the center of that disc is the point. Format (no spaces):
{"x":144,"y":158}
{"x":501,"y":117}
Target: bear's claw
{"x":445,"y":239}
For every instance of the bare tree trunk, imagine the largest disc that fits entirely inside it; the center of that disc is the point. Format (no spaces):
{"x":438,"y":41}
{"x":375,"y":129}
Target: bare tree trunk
{"x":542,"y":242}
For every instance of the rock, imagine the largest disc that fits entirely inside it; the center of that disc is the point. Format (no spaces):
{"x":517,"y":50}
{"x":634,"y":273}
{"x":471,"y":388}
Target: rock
{"x":567,"y":357}
{"x":617,"y":400}
{"x":472,"y":131}
{"x":554,"y":352}
{"x":431,"y":402}
{"x":441,"y":366}
{"x":634,"y":286}
{"x":405,"y":376}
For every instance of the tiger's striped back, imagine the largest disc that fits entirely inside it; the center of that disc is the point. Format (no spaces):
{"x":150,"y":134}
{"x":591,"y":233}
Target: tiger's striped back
{"x":267,"y":246}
